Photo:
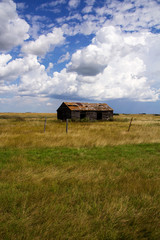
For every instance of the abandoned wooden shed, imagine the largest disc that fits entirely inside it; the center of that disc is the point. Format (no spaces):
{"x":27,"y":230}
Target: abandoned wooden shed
{"x":91,"y":111}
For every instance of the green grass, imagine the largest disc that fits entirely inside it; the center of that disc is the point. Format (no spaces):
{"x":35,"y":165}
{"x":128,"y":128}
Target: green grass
{"x":104,"y":193}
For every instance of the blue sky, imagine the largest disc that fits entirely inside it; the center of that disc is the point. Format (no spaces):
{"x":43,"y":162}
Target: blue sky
{"x":74,"y":50}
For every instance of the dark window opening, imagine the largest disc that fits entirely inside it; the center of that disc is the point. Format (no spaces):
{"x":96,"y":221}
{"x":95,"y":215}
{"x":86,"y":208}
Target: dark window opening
{"x":99,"y":115}
{"x":73,"y":105}
{"x":82,"y":115}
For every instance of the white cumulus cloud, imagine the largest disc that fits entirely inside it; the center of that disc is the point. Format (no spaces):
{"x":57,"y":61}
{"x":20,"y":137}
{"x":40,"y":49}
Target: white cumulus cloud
{"x":74,"y":3}
{"x":64,"y":58}
{"x":117,"y":65}
{"x":132,"y":15}
{"x":4,"y":59}
{"x":10,"y":71}
{"x":13,"y":29}
{"x":114,"y":65}
{"x":44,"y":43}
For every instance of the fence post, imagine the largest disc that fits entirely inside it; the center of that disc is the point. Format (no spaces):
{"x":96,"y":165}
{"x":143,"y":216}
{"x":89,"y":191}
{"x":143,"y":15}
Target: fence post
{"x":45,"y":122}
{"x":130,"y":124}
{"x":66,"y":125}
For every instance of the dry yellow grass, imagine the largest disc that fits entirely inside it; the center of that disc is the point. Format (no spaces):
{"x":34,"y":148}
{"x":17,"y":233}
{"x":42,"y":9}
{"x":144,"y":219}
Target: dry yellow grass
{"x":27,"y":130}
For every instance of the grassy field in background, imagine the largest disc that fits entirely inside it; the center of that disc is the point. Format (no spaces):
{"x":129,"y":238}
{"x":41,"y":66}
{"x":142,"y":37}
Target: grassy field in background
{"x":27,"y":130}
{"x":99,"y":181}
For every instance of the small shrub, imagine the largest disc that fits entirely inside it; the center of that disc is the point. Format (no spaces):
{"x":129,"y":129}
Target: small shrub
{"x":19,"y":119}
{"x":85,"y":120}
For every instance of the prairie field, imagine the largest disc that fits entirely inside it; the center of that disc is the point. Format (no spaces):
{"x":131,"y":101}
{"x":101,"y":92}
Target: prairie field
{"x":27,"y":130}
{"x":99,"y":181}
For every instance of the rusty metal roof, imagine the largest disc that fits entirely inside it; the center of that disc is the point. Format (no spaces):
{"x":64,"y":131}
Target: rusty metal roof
{"x":78,"y":106}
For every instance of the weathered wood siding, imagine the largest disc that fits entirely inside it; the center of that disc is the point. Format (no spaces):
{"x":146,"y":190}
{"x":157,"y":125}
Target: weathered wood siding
{"x":91,"y":115}
{"x":107,"y":115}
{"x":63,"y":112}
{"x":75,"y":115}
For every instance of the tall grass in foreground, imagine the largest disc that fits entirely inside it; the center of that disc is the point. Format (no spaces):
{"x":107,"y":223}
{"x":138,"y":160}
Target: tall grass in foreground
{"x":94,"y":183}
{"x":107,"y":193}
{"x":27,"y":130}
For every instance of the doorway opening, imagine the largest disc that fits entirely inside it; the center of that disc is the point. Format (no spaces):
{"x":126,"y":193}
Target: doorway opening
{"x":82,"y":115}
{"x":99,"y":115}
